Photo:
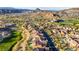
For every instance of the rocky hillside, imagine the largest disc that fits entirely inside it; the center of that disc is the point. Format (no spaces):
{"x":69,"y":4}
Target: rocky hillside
{"x":72,"y":12}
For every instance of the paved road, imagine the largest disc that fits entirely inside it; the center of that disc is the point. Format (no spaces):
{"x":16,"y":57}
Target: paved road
{"x":45,"y":34}
{"x":50,"y":43}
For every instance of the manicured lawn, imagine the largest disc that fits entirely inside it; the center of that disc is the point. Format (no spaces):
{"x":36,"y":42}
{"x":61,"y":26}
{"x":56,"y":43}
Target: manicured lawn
{"x":7,"y":43}
{"x":70,"y":22}
{"x":67,"y":22}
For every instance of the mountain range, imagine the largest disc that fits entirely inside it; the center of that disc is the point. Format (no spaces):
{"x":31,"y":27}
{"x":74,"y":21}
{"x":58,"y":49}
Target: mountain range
{"x":4,"y":10}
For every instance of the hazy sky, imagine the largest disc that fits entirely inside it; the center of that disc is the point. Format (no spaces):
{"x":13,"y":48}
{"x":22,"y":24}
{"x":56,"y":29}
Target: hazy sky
{"x":42,"y":4}
{"x":39,"y":3}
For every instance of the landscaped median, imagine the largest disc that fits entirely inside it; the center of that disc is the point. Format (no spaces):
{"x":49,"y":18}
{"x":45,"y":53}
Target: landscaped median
{"x":8,"y":42}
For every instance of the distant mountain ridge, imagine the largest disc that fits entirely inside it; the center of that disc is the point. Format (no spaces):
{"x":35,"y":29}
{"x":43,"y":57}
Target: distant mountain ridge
{"x":4,"y":10}
{"x":7,"y":8}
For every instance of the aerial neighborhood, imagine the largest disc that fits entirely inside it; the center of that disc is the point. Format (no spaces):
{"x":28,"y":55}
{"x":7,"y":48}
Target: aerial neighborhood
{"x":39,"y":29}
{"x":5,"y":29}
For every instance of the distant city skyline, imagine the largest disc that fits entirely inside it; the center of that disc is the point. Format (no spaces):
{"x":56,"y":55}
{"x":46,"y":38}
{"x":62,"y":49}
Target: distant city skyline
{"x":44,"y":8}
